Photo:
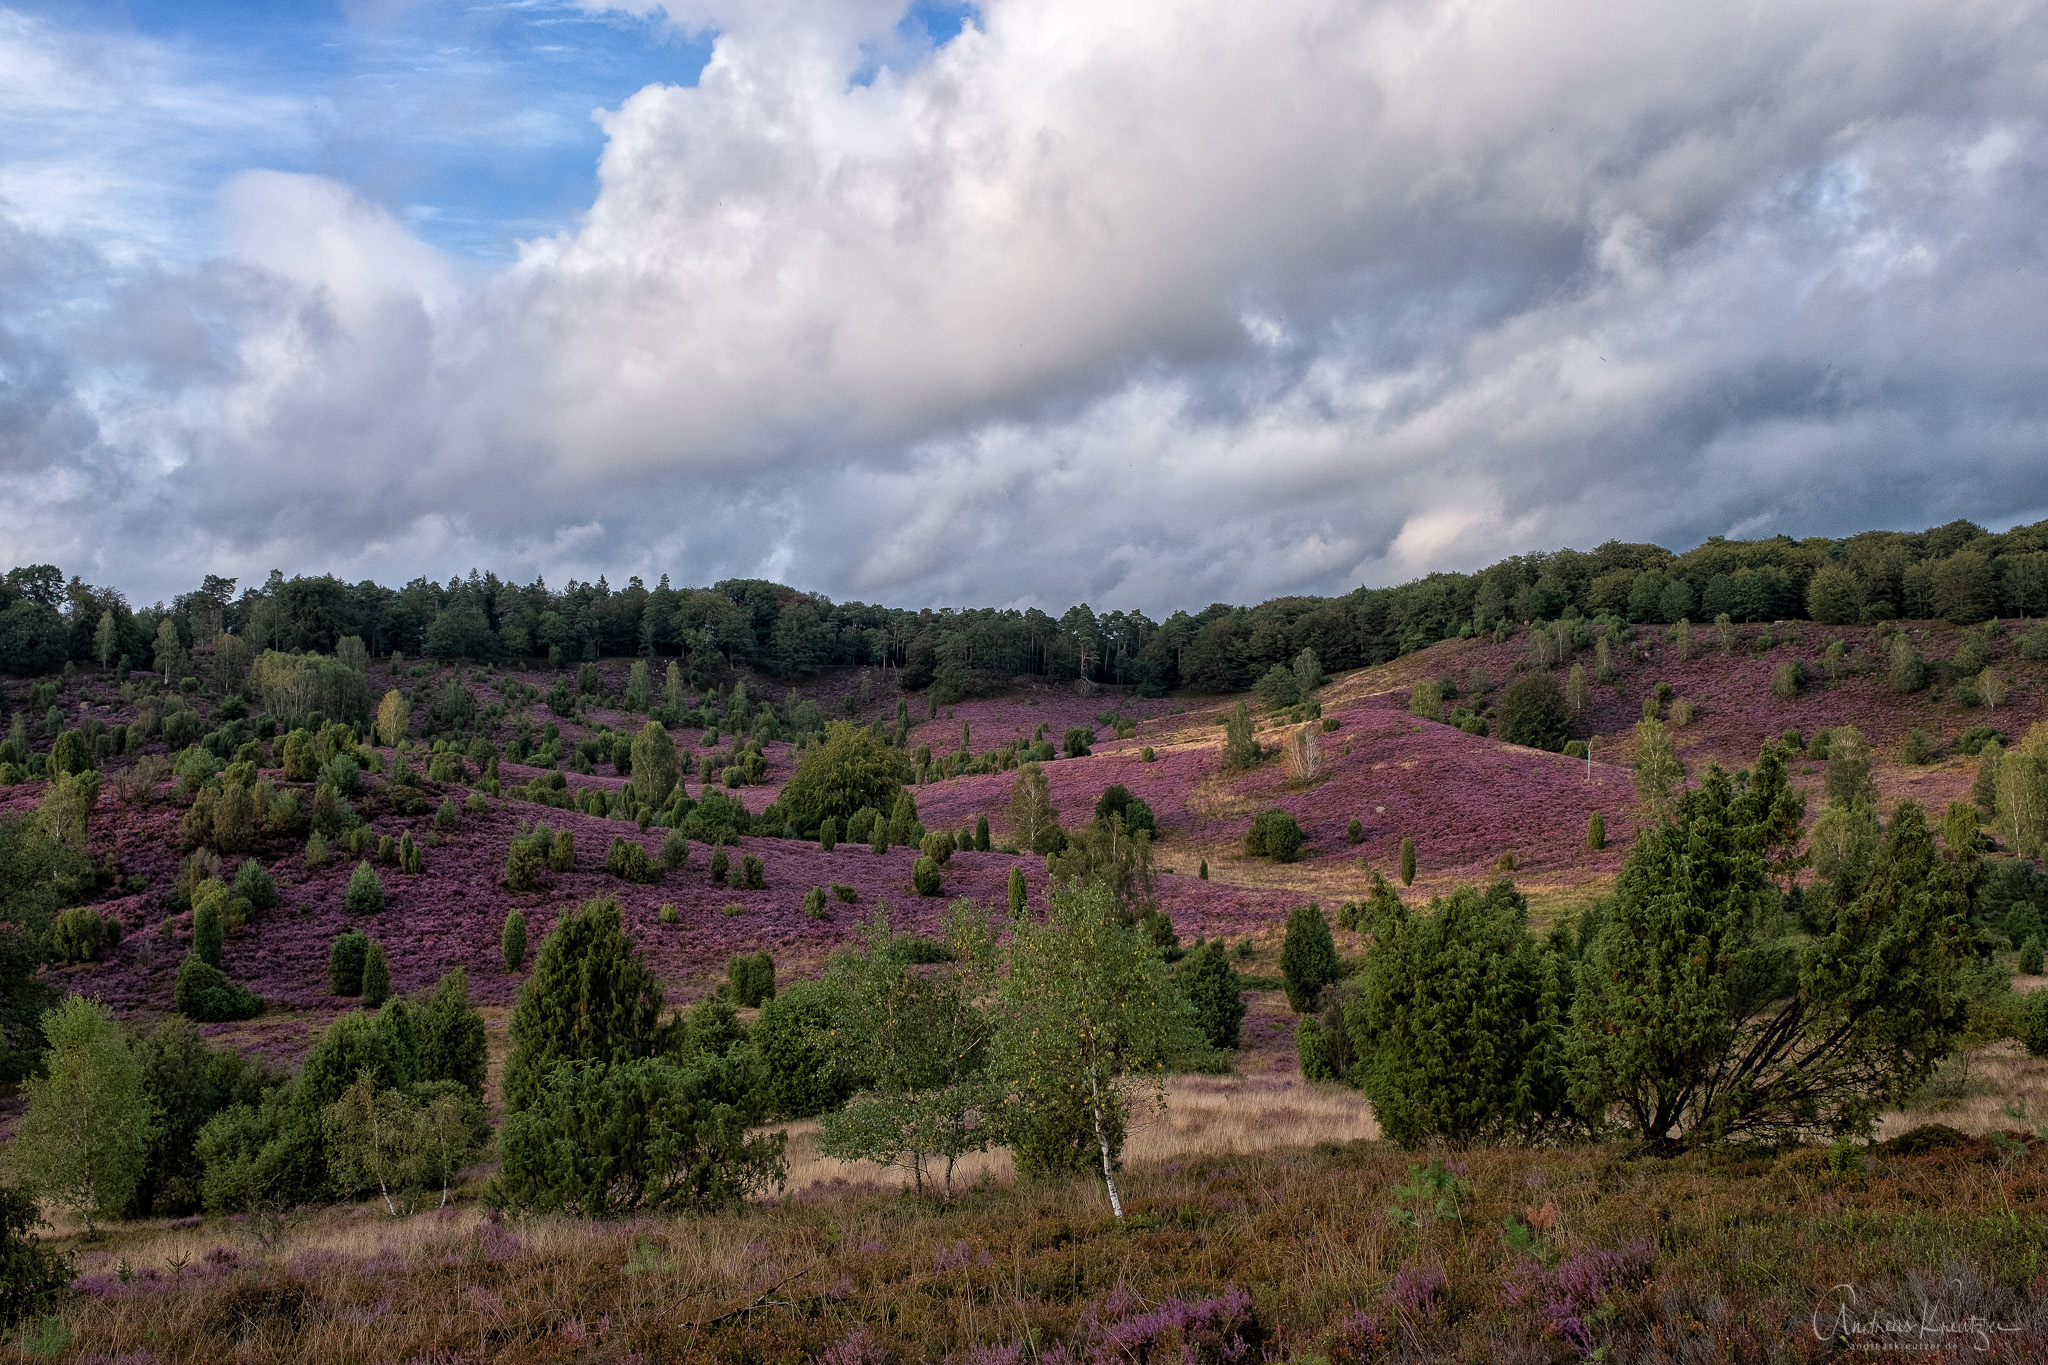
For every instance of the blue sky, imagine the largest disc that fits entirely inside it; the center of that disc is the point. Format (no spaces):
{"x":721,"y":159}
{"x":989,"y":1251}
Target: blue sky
{"x":1148,"y":304}
{"x":468,"y":121}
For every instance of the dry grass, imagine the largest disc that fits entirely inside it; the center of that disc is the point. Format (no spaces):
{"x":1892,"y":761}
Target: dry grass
{"x":1204,"y":1116}
{"x":2001,"y":1087}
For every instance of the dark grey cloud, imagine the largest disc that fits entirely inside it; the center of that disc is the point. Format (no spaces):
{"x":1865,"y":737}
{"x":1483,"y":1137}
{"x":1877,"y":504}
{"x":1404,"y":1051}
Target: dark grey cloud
{"x":1150,"y":304}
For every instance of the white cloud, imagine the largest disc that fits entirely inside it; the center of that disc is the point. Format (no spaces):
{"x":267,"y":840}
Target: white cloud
{"x":1156,"y":303}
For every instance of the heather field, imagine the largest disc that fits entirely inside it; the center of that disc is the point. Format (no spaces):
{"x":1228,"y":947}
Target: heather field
{"x":1259,"y":1224}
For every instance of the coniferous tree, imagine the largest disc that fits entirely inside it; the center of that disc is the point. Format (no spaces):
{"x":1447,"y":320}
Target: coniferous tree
{"x":450,"y":1031}
{"x":1458,"y":1015}
{"x":590,"y":998}
{"x":1308,"y":958}
{"x":1407,"y":862}
{"x":376,"y":976}
{"x":1215,"y":992}
{"x":512,"y":942}
{"x":1692,"y":1016}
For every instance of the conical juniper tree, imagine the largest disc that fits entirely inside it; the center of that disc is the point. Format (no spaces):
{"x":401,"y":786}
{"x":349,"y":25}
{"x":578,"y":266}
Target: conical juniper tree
{"x":1694,"y":1021}
{"x":590,"y":999}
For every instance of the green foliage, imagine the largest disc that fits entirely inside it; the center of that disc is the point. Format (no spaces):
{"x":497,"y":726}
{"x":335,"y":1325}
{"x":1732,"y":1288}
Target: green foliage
{"x":80,"y":935}
{"x":1241,"y":751}
{"x":1033,"y":822}
{"x":512,"y":942}
{"x":828,"y":833}
{"x":1308,"y":958}
{"x":365,"y":893}
{"x":205,"y":994}
{"x":925,"y":877}
{"x":1075,"y":743}
{"x":33,"y":1277}
{"x":562,"y":852}
{"x":850,"y":771}
{"x":1016,"y":892}
{"x":805,"y":1076}
{"x":1407,"y":862}
{"x":981,"y":844}
{"x":918,"y":1040}
{"x":1693,"y":1015}
{"x":654,"y":764}
{"x":1278,"y":688}
{"x":627,"y":860}
{"x":602,"y":1139}
{"x":1088,"y":1020}
{"x":753,"y":874}
{"x":1273,"y":834}
{"x":1596,"y":831}
{"x":253,"y":883}
{"x":1907,"y":670}
{"x":751,"y":979}
{"x":72,"y":753}
{"x":1426,"y":699}
{"x":376,"y":976}
{"x":450,"y":1035}
{"x":1919,"y":748}
{"x":721,"y":863}
{"x":1456,"y":1019}
{"x":1532,"y":712}
{"x":590,"y":998}
{"x":1848,"y":775}
{"x":1312,"y":1050}
{"x":1659,"y":776}
{"x":2030,"y":956}
{"x":83,"y":1140}
{"x":345,"y":958}
{"x":675,"y":850}
{"x":1135,"y":813}
{"x":1214,"y":991}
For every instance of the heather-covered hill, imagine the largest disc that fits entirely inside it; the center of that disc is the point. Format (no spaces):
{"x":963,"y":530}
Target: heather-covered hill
{"x":1469,"y":801}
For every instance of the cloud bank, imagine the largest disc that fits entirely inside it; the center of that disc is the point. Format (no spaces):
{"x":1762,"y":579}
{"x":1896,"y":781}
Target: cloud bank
{"x":1146,"y":305}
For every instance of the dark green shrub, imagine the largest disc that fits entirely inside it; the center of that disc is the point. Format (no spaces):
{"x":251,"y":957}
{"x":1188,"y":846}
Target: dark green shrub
{"x":1973,"y":741}
{"x":208,"y":930}
{"x":720,"y":865}
{"x":751,"y":979}
{"x":1278,"y":688}
{"x":924,"y":877}
{"x":793,"y":1036}
{"x":845,"y":893}
{"x":602,"y":1139}
{"x":1920,"y":748}
{"x":345,"y":958}
{"x":1016,"y":890}
{"x":1596,"y":831}
{"x":814,"y":903}
{"x":1076,"y":741}
{"x":1407,"y":862}
{"x":512,"y":942}
{"x":753,"y":874}
{"x":206,"y":995}
{"x":562,"y":852}
{"x":590,"y":998}
{"x":1275,"y":835}
{"x":828,"y":833}
{"x":449,"y":1033}
{"x":1137,"y":815}
{"x":79,"y":935}
{"x":1455,"y":1020}
{"x":32,"y":1277}
{"x":628,"y":861}
{"x":2022,"y":922}
{"x":938,"y":846}
{"x":365,"y":893}
{"x":376,"y":976}
{"x":1308,"y":958}
{"x":72,"y":753}
{"x":2030,"y":956}
{"x":1532,"y":712}
{"x":1215,"y":991}
{"x":448,"y":815}
{"x":253,"y":884}
{"x":1355,"y":831}
{"x":1312,"y":1050}
{"x":524,"y":865}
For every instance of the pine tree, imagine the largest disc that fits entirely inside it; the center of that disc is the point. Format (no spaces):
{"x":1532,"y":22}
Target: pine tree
{"x":365,"y":893}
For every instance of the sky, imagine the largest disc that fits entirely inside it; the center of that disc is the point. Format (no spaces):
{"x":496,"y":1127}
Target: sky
{"x":1147,"y":305}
